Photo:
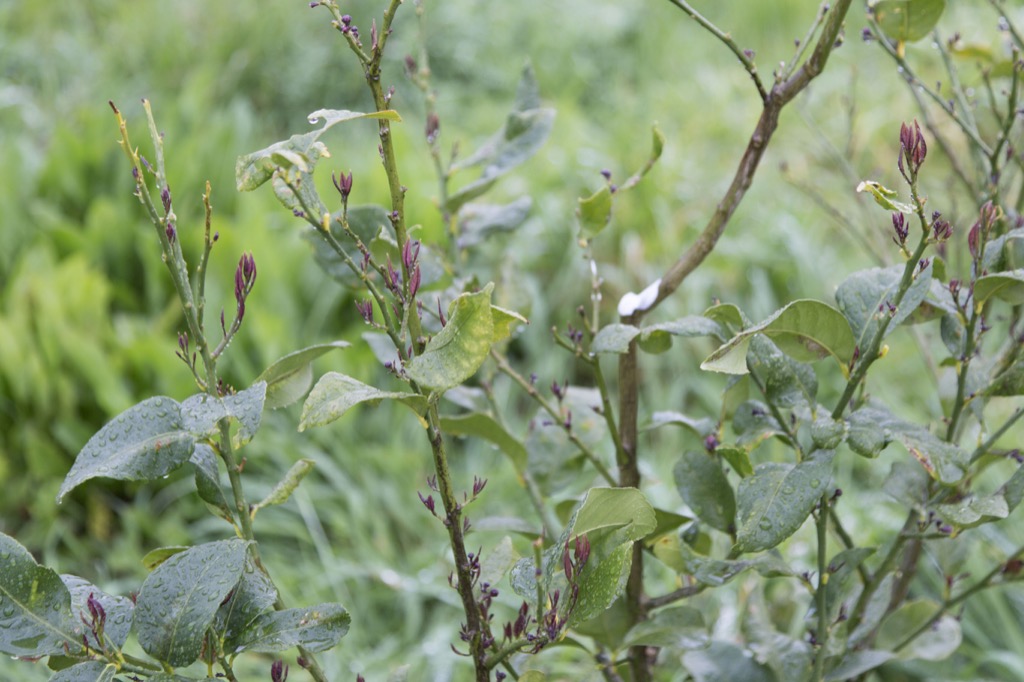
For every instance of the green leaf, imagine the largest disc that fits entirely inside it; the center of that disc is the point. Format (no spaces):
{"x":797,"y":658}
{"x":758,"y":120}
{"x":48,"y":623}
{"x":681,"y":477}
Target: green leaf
{"x":842,"y":569}
{"x":479,"y":222}
{"x":201,"y":413}
{"x":119,"y":610}
{"x":884,"y":197}
{"x":730,"y":358}
{"x":143,"y":443}
{"x":754,"y":424}
{"x":863,"y":297}
{"x":702,"y":427}
{"x":787,"y":383}
{"x":999,"y":251}
{"x":778,"y":498}
{"x":155,"y":557}
{"x":89,"y":671}
{"x":974,"y":511}
{"x":35,"y":607}
{"x":253,"y":596}
{"x":725,"y":662}
{"x":1013,"y":489}
{"x":286,"y":486}
{"x":614,"y":338}
{"x":738,"y":459}
{"x":727,"y":315}
{"x":1007,"y":286}
{"x":934,"y":644}
{"x":204,"y":461}
{"x":457,"y":351}
{"x":679,"y":627}
{"x":806,"y":330}
{"x":908,"y":20}
{"x":594,"y":212}
{"x":943,"y":461}
{"x":856,"y":663}
{"x":525,"y":131}
{"x":291,"y":377}
{"x":657,"y":338}
{"x":666,"y":522}
{"x":335,"y":394}
{"x":317,"y":628}
{"x":1009,"y":383}
{"x":484,"y":426}
{"x":609,"y":627}
{"x":705,"y":489}
{"x":602,"y":584}
{"x":498,"y":561}
{"x":179,"y":600}
{"x":533,"y":676}
{"x":300,"y":151}
{"x":614,"y":516}
{"x":826,"y":432}
{"x":717,"y":572}
{"x":505,"y":321}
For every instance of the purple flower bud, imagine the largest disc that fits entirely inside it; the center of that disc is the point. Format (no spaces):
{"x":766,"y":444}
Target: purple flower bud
{"x":582,"y":551}
{"x":216,"y":236}
{"x":567,"y":562}
{"x":478,"y":485}
{"x":410,"y":253}
{"x":433,"y":128}
{"x":866,"y":35}
{"x":711,"y":442}
{"x":428,"y":502}
{"x":165,"y":199}
{"x":343,"y":184}
{"x":135,"y":173}
{"x":749,"y":54}
{"x":170,"y":232}
{"x":607,"y":174}
{"x":346,"y":19}
{"x":414,"y":281}
{"x":298,"y":214}
{"x":440,"y":314}
{"x":913,"y":149}
{"x":974,"y":240}
{"x":278,"y":671}
{"x":899,"y":224}
{"x":365,"y":309}
{"x":245,"y":279}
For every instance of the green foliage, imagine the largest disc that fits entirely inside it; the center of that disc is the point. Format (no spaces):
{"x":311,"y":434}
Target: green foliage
{"x":809,"y":600}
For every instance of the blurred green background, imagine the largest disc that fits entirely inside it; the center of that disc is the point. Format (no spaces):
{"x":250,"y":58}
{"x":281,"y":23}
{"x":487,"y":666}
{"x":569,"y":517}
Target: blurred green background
{"x":88,"y":325}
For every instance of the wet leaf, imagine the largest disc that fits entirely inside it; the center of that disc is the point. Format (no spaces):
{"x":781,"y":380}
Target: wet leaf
{"x":204,"y":461}
{"x":119,"y":610}
{"x":806,"y":330}
{"x":705,"y":489}
{"x":717,"y":572}
{"x":143,"y":443}
{"x":614,"y":338}
{"x":702,"y":427}
{"x":943,"y":461}
{"x":335,"y":394}
{"x":725,"y":662}
{"x":179,"y":600}
{"x":155,"y":557}
{"x":778,"y":498}
{"x":863,"y":298}
{"x":201,"y":413}
{"x":856,"y":663}
{"x":291,"y":377}
{"x":317,"y":628}
{"x":88,"y":671}
{"x":457,"y":351}
{"x":35,"y":606}
{"x":253,"y":596}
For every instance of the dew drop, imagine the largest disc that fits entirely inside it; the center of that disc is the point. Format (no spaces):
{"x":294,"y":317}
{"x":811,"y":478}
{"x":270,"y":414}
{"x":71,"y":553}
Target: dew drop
{"x":765,"y":524}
